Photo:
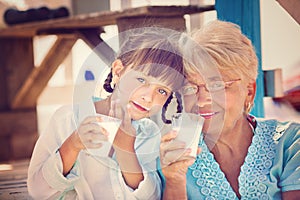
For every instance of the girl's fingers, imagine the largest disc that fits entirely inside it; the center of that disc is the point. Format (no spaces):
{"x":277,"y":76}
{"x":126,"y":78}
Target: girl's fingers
{"x":91,"y":119}
{"x":127,"y":117}
{"x":93,"y":127}
{"x":93,"y":139}
{"x":116,"y":109}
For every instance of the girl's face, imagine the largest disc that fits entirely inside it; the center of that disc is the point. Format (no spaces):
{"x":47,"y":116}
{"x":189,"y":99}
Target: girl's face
{"x":144,"y":94}
{"x":222,"y":109}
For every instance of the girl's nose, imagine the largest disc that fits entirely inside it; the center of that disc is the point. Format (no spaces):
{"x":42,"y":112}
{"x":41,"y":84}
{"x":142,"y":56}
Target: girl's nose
{"x":147,"y":93}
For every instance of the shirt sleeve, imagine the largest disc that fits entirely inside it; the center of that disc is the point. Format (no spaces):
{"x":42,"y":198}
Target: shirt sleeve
{"x":290,"y":177}
{"x":52,"y":172}
{"x":149,"y":188}
{"x":45,"y":177}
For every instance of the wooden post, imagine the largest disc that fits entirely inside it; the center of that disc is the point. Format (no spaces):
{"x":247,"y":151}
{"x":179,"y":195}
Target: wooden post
{"x":16,"y":62}
{"x":18,"y":127}
{"x":18,"y":133}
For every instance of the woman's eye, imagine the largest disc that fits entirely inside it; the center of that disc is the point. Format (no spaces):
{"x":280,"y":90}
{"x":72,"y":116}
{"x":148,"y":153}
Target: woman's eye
{"x":141,"y":80}
{"x":163,"y":92}
{"x":190,"y":90}
{"x":218,"y":85}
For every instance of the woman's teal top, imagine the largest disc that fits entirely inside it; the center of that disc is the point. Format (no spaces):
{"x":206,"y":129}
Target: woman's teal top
{"x":272,"y":166}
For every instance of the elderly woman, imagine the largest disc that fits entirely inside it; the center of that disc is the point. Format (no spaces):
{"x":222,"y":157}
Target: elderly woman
{"x":241,"y":157}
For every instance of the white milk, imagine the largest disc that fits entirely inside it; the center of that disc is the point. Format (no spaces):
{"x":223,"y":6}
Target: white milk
{"x":111,"y":125}
{"x":189,"y":127}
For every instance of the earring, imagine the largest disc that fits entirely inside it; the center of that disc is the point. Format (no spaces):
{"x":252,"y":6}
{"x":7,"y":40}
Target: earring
{"x":248,"y":107}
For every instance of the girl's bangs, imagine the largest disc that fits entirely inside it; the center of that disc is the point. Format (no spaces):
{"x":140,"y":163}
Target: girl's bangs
{"x":165,"y":74}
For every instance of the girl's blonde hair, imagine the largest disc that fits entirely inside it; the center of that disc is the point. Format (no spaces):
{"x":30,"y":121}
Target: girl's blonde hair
{"x":154,"y":51}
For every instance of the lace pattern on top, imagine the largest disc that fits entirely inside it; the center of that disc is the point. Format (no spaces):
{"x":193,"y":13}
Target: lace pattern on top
{"x":211,"y":180}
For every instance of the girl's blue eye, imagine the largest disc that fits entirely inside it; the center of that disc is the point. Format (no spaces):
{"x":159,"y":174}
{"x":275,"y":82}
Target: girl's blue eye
{"x":141,"y":80}
{"x":163,"y":92}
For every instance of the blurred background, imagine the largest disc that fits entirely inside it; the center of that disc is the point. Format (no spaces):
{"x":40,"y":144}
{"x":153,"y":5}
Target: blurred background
{"x":26,"y":107}
{"x":280,"y":47}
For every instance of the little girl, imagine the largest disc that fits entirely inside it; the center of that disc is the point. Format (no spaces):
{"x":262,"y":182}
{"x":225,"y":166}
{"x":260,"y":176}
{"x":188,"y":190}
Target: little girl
{"x":143,"y":77}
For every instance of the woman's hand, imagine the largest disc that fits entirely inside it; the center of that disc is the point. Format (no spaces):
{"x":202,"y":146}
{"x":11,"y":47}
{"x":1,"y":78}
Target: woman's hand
{"x":174,"y":156}
{"x":175,"y":160}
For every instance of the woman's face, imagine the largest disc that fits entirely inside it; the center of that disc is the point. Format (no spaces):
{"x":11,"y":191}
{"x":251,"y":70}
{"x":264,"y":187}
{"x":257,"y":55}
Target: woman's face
{"x":222,"y":109}
{"x":144,"y":94}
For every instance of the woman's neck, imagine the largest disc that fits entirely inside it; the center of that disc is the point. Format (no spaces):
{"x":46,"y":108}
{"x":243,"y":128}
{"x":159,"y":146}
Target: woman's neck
{"x":235,"y":139}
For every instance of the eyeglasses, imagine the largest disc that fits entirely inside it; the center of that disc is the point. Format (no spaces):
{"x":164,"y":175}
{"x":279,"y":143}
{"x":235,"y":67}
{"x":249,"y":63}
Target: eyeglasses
{"x":212,"y":86}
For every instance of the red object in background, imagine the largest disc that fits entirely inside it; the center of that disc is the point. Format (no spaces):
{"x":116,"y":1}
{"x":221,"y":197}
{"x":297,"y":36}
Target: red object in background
{"x":292,"y":91}
{"x":293,"y":97}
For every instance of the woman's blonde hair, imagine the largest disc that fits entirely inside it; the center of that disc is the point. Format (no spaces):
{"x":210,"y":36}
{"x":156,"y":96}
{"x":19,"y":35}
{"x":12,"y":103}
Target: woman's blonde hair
{"x":231,"y":51}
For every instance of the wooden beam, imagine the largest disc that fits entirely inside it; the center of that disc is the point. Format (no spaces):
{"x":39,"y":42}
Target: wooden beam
{"x":92,"y":38}
{"x":27,"y":95}
{"x":292,"y":7}
{"x":174,"y":22}
{"x":96,"y":20}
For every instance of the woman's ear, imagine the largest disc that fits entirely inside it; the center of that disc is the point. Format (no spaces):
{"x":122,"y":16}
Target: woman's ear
{"x":117,"y":68}
{"x":251,"y":88}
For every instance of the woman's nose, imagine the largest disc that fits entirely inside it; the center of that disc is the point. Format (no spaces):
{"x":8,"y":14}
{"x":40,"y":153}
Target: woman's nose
{"x":203,"y":97}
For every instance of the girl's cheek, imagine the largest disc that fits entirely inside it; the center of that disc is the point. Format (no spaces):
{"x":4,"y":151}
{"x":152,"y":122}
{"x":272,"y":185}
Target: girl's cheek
{"x":155,"y":109}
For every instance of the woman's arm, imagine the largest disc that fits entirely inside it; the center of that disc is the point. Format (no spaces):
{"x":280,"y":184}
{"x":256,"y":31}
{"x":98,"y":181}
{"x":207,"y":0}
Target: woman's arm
{"x":174,"y":163}
{"x":175,"y":177}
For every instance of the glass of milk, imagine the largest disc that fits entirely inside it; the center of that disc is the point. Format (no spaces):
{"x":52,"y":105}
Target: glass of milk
{"x":111,"y":125}
{"x":189,"y":127}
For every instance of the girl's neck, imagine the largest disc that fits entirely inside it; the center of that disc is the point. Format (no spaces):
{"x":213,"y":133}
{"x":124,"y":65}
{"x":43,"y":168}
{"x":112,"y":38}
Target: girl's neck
{"x":103,"y":106}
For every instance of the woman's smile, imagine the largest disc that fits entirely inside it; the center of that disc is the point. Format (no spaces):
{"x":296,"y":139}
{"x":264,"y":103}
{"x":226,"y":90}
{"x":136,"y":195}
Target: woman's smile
{"x":207,"y":114}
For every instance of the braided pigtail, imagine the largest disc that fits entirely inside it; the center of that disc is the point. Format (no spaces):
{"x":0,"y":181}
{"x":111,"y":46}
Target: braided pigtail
{"x":107,"y":83}
{"x":179,"y":102}
{"x":164,"y":109}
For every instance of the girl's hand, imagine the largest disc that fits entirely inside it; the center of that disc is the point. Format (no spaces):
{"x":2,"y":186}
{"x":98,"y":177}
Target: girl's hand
{"x":90,"y":134}
{"x":117,"y":111}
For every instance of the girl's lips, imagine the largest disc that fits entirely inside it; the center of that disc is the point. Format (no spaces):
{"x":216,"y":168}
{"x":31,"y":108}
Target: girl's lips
{"x":140,"y":107}
{"x":207,"y":115}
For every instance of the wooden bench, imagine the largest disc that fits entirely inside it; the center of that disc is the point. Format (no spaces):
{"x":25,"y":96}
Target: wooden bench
{"x":13,"y":177}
